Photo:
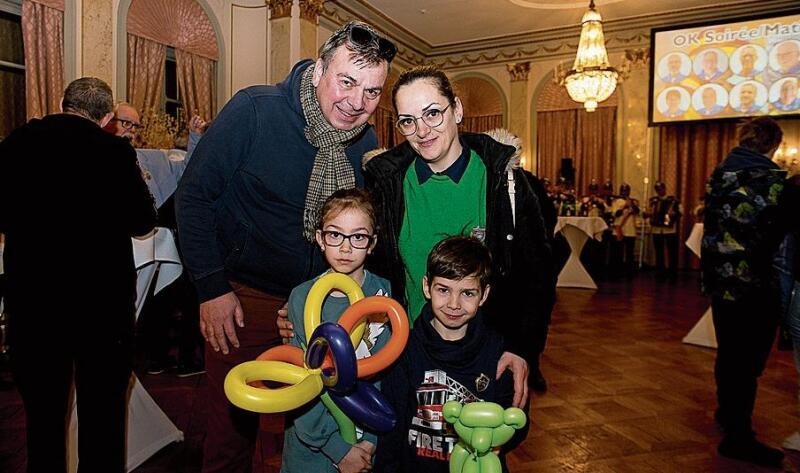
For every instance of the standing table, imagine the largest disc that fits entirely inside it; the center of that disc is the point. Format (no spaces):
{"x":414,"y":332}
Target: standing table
{"x":577,"y":230}
{"x":702,"y":334}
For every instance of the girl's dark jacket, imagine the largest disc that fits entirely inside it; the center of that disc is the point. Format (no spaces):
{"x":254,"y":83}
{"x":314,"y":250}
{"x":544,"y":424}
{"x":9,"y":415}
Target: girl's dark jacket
{"x":523,"y":276}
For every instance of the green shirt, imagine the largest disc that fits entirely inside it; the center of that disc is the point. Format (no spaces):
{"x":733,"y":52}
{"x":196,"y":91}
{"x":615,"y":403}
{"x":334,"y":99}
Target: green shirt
{"x":437,"y":209}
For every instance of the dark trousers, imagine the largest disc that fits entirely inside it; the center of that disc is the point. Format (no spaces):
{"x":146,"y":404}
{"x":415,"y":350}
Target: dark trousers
{"x":231,"y":432}
{"x":43,"y":368}
{"x":622,"y":258}
{"x":670,"y":242}
{"x":745,"y":332}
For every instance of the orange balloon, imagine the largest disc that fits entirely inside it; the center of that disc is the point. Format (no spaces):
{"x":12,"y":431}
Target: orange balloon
{"x":397,"y":342}
{"x":288,"y":353}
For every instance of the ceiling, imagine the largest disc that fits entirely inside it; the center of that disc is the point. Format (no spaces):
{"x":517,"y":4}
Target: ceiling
{"x":438,"y":23}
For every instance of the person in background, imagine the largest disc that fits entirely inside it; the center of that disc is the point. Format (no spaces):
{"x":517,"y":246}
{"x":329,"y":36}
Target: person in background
{"x":83,"y":316}
{"x":248,"y":208}
{"x":665,"y":212}
{"x":741,"y":235}
{"x":625,"y":211}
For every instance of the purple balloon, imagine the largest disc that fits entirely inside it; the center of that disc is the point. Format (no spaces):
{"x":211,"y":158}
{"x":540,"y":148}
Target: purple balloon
{"x":331,"y":336}
{"x":367,"y":407}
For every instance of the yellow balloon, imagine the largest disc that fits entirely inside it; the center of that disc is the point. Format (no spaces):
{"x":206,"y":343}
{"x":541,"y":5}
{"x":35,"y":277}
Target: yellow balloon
{"x":312,"y":314}
{"x":303,"y":385}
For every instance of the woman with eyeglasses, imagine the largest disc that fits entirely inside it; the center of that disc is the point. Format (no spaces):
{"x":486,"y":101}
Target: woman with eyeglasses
{"x":440,"y":183}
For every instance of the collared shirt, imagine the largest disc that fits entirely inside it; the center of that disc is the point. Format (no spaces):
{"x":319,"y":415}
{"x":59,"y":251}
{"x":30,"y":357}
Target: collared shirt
{"x":454,"y":172}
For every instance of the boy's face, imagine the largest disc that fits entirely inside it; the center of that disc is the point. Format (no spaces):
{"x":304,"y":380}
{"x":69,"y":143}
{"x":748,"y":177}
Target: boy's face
{"x":339,"y":237}
{"x":454,"y":303}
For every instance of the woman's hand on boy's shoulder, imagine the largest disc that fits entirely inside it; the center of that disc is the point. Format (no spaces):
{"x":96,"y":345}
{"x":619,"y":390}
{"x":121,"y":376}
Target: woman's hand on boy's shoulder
{"x":519,"y":368}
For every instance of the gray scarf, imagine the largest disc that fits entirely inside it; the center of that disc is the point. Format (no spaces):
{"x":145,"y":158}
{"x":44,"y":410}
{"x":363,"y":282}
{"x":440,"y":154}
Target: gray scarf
{"x":332,"y":170}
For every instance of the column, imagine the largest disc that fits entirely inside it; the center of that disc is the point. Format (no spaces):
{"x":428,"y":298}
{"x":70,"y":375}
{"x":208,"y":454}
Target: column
{"x":97,"y":50}
{"x":518,"y":107}
{"x":292,"y":36}
{"x":309,"y":20}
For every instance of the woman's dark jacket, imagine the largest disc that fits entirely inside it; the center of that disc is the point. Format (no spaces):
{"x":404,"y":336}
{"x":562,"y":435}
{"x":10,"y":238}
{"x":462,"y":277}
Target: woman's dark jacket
{"x":523,"y":276}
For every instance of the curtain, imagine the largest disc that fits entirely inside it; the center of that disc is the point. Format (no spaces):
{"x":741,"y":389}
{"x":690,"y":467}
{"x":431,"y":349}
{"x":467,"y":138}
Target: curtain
{"x":196,"y":82}
{"x":145,"y":73}
{"x":384,"y":127}
{"x":482,"y":123}
{"x":596,"y":150}
{"x":688,"y":155}
{"x":43,"y":39}
{"x":556,"y":138}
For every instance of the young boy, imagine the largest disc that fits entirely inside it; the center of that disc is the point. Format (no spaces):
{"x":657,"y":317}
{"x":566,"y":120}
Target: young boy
{"x":451,"y":355}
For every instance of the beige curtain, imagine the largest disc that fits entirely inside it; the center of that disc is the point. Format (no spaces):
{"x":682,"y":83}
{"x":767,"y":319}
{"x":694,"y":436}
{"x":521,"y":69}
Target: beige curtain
{"x":688,"y":155}
{"x":556,"y":138}
{"x":596,"y":150}
{"x":145,"y":73}
{"x":43,"y":38}
{"x":383,"y":122}
{"x":480,"y":124}
{"x":196,"y":82}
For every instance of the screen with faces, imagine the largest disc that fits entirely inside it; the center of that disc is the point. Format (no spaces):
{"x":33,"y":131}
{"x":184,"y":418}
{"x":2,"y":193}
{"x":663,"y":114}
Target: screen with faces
{"x":734,"y":69}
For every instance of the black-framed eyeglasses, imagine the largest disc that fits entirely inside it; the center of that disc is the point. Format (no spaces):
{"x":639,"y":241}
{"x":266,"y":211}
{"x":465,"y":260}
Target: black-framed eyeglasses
{"x":362,"y":37}
{"x":359,"y":241}
{"x":407,"y":124}
{"x":129,"y":125}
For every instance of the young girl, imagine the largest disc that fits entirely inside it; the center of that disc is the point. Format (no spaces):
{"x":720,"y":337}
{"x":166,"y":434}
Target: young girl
{"x":346,"y":235}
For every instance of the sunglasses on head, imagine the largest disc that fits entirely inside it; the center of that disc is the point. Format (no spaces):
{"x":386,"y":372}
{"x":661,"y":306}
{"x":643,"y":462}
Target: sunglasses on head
{"x":362,"y":37}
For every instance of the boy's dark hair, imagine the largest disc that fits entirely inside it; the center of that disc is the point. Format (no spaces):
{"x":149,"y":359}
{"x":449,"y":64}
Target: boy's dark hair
{"x":346,"y":199}
{"x":89,"y":97}
{"x":429,"y":73}
{"x":459,"y":257}
{"x":761,"y":135}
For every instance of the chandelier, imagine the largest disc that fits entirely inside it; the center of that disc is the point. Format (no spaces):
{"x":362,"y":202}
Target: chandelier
{"x":591,"y":79}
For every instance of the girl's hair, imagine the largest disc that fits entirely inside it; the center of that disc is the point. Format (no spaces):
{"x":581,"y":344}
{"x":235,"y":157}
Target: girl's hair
{"x":429,"y":73}
{"x":346,"y":199}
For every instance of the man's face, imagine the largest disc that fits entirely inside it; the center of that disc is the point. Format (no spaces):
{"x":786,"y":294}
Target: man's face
{"x":710,"y":62}
{"x":788,"y":91}
{"x":709,"y":98}
{"x":748,"y":59}
{"x":747,"y":95}
{"x":788,"y":56}
{"x":673,"y":100}
{"x":674,"y":65}
{"x":348,"y":93}
{"x":125,"y":122}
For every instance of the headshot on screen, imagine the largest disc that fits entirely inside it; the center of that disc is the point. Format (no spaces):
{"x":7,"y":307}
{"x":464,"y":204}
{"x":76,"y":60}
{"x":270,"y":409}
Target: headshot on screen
{"x":710,"y":64}
{"x":784,"y":57}
{"x":674,"y":67}
{"x":673,"y":102}
{"x":748,"y":97}
{"x":748,"y":61}
{"x":709,"y":99}
{"x":783,"y":95}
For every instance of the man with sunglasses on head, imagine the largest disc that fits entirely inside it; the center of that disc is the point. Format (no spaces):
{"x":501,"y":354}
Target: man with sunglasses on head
{"x":249,"y":202}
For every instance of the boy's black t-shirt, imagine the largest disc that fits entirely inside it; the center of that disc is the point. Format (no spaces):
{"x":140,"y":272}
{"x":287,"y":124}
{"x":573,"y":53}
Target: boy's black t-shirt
{"x":430,"y":372}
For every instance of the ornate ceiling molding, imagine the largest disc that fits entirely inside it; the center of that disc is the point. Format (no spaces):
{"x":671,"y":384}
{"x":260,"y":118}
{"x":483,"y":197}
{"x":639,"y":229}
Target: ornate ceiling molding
{"x":310,"y":10}
{"x":519,"y":71}
{"x":556,"y":43}
{"x":279,"y":9}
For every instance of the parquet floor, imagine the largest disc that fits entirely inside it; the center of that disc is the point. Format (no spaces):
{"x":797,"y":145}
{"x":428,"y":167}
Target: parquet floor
{"x":625,"y":394}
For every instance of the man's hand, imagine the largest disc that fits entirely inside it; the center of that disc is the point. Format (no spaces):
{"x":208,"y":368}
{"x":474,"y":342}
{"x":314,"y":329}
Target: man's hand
{"x":197,"y":125}
{"x":358,"y":459}
{"x":285,"y":328}
{"x":519,"y":368}
{"x":216,"y":321}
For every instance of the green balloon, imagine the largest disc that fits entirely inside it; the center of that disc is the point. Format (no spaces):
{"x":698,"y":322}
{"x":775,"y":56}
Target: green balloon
{"x":347,"y":428}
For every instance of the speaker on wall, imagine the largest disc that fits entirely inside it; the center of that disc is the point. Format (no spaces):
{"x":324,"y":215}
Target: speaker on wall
{"x":567,"y":171}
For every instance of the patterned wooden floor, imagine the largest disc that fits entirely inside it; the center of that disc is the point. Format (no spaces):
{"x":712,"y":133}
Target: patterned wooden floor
{"x":625,"y":394}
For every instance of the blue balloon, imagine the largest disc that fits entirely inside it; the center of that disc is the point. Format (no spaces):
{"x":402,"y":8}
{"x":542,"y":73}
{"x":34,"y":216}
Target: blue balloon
{"x":331,"y":336}
{"x":367,"y":407}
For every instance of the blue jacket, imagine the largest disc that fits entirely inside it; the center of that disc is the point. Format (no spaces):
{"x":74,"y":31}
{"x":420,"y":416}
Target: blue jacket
{"x":240,"y":202}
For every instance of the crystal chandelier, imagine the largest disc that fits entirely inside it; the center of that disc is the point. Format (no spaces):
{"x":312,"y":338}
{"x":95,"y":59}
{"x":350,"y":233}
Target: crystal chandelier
{"x":591,"y":79}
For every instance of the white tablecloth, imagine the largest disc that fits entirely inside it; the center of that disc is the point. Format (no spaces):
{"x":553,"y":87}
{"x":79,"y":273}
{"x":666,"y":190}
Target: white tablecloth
{"x":149,"y":429}
{"x":702,"y":334}
{"x":577,"y":230}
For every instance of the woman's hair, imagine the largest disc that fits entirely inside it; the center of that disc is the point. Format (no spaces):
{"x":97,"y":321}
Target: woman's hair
{"x":459,"y":257}
{"x":347,"y":199}
{"x":429,"y":73}
{"x":761,"y":135}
